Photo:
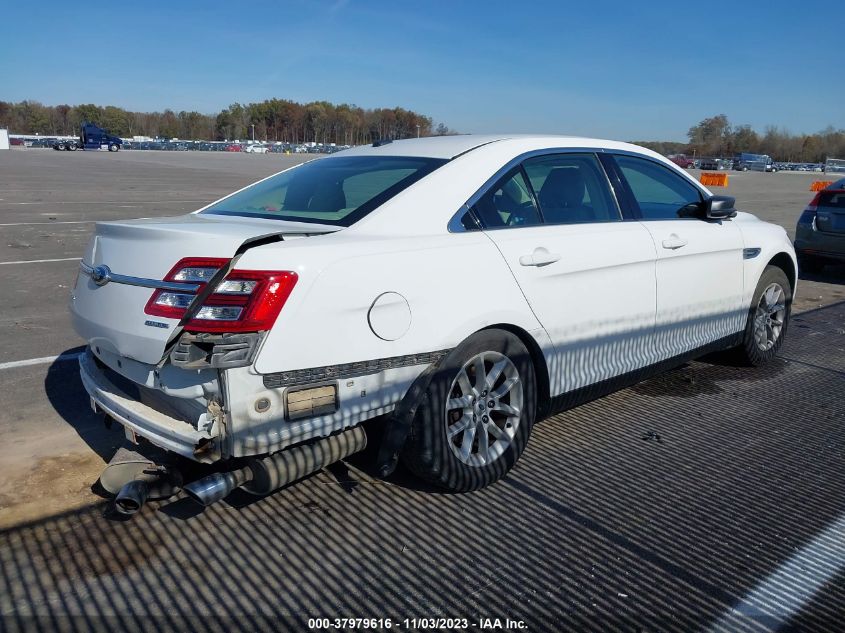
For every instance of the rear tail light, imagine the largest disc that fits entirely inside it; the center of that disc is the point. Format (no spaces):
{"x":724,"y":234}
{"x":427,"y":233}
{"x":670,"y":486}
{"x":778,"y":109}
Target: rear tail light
{"x":245,"y":301}
{"x":808,"y":217}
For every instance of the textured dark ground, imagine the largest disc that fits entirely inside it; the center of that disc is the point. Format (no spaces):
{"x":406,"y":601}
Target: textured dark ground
{"x":730,"y":515}
{"x":710,"y":497}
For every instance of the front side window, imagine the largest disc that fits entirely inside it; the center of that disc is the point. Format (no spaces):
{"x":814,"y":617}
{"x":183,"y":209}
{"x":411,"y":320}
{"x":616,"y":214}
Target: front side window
{"x":508,"y":203}
{"x":571,"y":189}
{"x":660,"y":193}
{"x":337,"y":191}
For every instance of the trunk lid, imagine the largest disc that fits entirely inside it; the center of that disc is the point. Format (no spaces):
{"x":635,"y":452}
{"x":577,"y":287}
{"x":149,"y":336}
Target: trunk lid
{"x":111,"y":316}
{"x":830,"y":211}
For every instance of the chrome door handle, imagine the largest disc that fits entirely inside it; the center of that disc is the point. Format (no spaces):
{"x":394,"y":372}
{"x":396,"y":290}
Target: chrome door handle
{"x":540,"y":257}
{"x":674,"y":242}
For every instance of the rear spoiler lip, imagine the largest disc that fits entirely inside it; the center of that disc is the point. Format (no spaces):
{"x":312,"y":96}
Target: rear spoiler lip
{"x":299,"y":228}
{"x":287,"y":227}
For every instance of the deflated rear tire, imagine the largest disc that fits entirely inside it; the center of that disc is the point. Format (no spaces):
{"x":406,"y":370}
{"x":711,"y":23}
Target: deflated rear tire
{"x":476,"y":416}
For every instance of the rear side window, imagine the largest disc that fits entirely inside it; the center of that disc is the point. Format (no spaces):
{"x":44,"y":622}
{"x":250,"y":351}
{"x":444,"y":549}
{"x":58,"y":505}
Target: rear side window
{"x":659,"y":192}
{"x":571,"y":189}
{"x":508,"y":203}
{"x":337,"y":191}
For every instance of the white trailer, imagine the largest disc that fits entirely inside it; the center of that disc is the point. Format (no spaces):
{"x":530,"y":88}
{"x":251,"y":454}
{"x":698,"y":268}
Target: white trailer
{"x":831,"y":165}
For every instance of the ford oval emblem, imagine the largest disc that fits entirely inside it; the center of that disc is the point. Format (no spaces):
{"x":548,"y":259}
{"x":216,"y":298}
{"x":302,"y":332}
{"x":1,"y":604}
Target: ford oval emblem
{"x":101,"y":275}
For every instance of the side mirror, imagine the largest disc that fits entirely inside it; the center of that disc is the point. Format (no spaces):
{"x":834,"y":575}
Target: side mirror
{"x":719,"y":207}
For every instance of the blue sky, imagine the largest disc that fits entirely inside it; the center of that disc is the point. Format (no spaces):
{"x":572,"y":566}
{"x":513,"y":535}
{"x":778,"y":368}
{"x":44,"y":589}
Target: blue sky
{"x":626,"y":70}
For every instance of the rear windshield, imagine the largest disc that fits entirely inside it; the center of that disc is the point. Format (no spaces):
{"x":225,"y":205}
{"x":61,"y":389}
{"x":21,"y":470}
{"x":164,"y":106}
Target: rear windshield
{"x":831,"y":200}
{"x":337,"y":191}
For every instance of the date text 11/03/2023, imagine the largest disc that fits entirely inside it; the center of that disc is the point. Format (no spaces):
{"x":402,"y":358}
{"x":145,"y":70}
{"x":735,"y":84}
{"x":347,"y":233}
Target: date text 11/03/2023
{"x":415,"y":623}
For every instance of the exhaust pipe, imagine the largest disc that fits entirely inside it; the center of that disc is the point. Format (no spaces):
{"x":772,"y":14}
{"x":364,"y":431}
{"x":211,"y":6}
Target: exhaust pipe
{"x":263,"y":476}
{"x":132,"y":496}
{"x":134,"y":478}
{"x":215,"y":487}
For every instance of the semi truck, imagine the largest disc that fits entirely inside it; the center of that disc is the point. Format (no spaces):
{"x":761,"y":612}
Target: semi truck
{"x":90,"y":137}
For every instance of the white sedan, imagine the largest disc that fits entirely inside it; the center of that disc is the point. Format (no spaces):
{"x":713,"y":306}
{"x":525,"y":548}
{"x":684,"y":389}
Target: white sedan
{"x":256,"y":148}
{"x":461,"y":286}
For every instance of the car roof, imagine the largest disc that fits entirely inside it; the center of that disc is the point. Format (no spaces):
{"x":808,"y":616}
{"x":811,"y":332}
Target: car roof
{"x":448,"y":147}
{"x":427,"y":147}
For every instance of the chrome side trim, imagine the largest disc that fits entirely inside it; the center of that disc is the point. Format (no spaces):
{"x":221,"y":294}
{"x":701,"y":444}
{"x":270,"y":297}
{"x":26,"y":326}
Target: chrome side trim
{"x":750,"y":253}
{"x":101,"y":275}
{"x":348,"y":370}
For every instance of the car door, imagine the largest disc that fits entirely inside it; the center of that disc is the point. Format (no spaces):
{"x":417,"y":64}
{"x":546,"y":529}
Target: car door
{"x":587,"y":275}
{"x":699,"y":261}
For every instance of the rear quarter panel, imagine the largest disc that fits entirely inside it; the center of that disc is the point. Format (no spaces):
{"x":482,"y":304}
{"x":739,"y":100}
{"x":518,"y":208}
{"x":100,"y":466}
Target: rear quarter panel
{"x":454,"y":284}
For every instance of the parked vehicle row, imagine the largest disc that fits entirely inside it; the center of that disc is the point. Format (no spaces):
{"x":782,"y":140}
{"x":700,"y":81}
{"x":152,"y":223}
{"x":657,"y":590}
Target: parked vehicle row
{"x":72,"y":143}
{"x":461,"y":286}
{"x":817,"y":167}
{"x":227,"y":146}
{"x":745,"y":162}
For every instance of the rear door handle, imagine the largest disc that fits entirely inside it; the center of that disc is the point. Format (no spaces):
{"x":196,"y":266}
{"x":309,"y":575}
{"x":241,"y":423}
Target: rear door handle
{"x":674,"y":242}
{"x":540,"y":257}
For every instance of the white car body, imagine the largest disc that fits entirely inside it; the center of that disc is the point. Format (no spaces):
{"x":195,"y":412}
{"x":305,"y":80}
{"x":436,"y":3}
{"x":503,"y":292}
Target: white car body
{"x":377,"y":302}
{"x":256,"y":149}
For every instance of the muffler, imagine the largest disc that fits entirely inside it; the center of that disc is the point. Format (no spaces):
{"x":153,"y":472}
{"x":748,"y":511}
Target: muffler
{"x":133,"y":478}
{"x":263,"y":476}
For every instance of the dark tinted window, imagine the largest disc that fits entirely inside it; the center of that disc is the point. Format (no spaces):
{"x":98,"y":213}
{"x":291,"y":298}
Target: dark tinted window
{"x":831,"y":199}
{"x":338,"y":191}
{"x":659,"y":192}
{"x":508,"y":203}
{"x":571,"y":188}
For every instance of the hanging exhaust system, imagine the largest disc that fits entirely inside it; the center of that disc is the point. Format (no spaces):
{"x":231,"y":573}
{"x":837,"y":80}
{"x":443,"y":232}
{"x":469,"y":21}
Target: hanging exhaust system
{"x":262,"y":476}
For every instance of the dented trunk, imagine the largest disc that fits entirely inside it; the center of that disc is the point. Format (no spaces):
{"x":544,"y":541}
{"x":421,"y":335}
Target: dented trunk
{"x":154,"y":362}
{"x":126,"y":262}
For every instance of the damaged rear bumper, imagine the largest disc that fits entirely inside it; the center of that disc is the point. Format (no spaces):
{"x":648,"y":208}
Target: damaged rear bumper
{"x":162,"y":430}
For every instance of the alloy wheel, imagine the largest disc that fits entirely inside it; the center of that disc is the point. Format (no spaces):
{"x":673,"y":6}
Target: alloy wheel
{"x":483,"y":408}
{"x":769,"y":317}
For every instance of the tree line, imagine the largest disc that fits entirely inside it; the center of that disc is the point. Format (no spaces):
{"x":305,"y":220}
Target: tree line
{"x":344,"y":124}
{"x":716,"y":136}
{"x":270,"y":120}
